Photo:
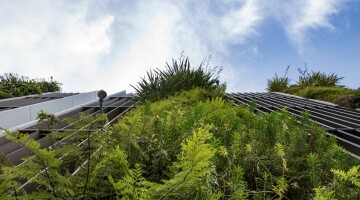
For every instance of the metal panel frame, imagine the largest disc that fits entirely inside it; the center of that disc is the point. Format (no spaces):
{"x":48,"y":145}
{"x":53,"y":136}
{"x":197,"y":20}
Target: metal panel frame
{"x":342,"y":123}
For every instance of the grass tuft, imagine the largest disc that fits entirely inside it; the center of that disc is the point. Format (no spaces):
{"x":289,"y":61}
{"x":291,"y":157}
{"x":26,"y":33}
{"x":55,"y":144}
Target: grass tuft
{"x":277,"y":84}
{"x":177,"y":76}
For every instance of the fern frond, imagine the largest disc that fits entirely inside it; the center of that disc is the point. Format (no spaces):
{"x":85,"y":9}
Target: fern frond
{"x":194,"y":164}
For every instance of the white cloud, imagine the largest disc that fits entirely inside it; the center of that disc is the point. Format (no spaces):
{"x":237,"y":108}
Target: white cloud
{"x":89,"y":45}
{"x":46,"y":39}
{"x":150,"y":44}
{"x":240,"y":23}
{"x":223,"y":23}
{"x":299,"y":17}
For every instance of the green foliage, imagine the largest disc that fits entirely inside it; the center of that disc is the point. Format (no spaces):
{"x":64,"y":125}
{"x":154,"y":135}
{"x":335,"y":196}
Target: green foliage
{"x":132,"y":186}
{"x":3,"y":95}
{"x":350,"y":100}
{"x":354,"y":101}
{"x":314,"y":164}
{"x":329,"y":94}
{"x":342,"y":101}
{"x":42,"y":168}
{"x":316,"y":85}
{"x":281,"y":187}
{"x":50,"y":118}
{"x":13,"y":85}
{"x":192,"y":170}
{"x":196,"y":145}
{"x":45,"y":168}
{"x":267,"y":156}
{"x":323,"y":194}
{"x":318,"y":79}
{"x":353,"y":175}
{"x":293,"y":89}
{"x":7,"y":186}
{"x":344,"y":186}
{"x":277,"y":84}
{"x":178,"y":76}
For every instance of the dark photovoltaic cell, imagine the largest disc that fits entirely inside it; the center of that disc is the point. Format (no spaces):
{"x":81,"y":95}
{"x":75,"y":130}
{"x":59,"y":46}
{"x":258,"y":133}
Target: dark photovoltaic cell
{"x":343,"y":123}
{"x":7,"y":104}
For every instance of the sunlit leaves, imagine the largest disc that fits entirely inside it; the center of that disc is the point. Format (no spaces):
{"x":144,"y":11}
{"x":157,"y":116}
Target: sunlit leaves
{"x":176,"y":77}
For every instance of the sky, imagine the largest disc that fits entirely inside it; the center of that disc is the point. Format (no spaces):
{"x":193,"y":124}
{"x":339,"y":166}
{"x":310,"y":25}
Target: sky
{"x":89,"y":45}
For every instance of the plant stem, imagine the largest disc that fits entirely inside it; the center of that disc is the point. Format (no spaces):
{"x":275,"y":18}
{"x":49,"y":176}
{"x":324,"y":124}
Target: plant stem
{"x":89,"y":156}
{"x":172,"y":189}
{"x":45,"y":169}
{"x":47,"y":175}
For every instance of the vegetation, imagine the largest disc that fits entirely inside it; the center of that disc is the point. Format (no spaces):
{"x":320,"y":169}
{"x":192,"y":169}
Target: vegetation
{"x":316,"y":85}
{"x":13,"y":85}
{"x":194,"y":145}
{"x":329,"y":94}
{"x":191,"y":145}
{"x":277,"y":84}
{"x":317,"y":79}
{"x":177,"y":77}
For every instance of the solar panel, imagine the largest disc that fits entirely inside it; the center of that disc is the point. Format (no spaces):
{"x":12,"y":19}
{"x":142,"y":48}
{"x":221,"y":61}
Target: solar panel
{"x":12,"y":103}
{"x":343,"y":123}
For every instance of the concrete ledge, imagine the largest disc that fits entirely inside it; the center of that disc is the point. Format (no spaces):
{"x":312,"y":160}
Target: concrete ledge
{"x":12,"y":119}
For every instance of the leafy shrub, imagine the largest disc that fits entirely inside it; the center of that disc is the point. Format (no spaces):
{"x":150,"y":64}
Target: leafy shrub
{"x":190,"y":146}
{"x":341,"y":182}
{"x":293,"y":89}
{"x":342,"y":101}
{"x":318,"y":79}
{"x":316,"y":85}
{"x":44,"y":160}
{"x":270,"y":152}
{"x":193,"y":170}
{"x":277,"y":84}
{"x":174,"y":78}
{"x":324,"y":93}
{"x":13,"y":85}
{"x":354,"y":101}
{"x":3,"y":95}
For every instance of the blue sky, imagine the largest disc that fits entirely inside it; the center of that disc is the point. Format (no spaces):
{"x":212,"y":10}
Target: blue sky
{"x":89,"y":45}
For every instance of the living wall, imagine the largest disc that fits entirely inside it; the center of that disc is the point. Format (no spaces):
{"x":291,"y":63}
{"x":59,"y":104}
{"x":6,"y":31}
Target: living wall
{"x":13,"y":85}
{"x":193,"y":144}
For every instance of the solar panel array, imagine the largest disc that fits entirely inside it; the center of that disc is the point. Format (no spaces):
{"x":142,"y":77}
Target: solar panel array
{"x":113,"y":106}
{"x":7,"y":104}
{"x":343,"y":123}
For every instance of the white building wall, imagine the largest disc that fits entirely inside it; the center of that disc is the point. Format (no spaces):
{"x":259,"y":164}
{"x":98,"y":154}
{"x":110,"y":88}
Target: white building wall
{"x":13,"y":118}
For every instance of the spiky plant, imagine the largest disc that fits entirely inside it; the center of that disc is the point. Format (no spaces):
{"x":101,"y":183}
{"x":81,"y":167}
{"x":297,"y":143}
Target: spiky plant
{"x":176,"y":77}
{"x":319,"y":79}
{"x":277,"y":84}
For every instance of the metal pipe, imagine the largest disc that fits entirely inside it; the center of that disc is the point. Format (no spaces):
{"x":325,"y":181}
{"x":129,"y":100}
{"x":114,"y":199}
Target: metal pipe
{"x":102,"y":95}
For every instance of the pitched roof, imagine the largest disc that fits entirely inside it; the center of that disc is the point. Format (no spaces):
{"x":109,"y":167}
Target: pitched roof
{"x":343,"y":123}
